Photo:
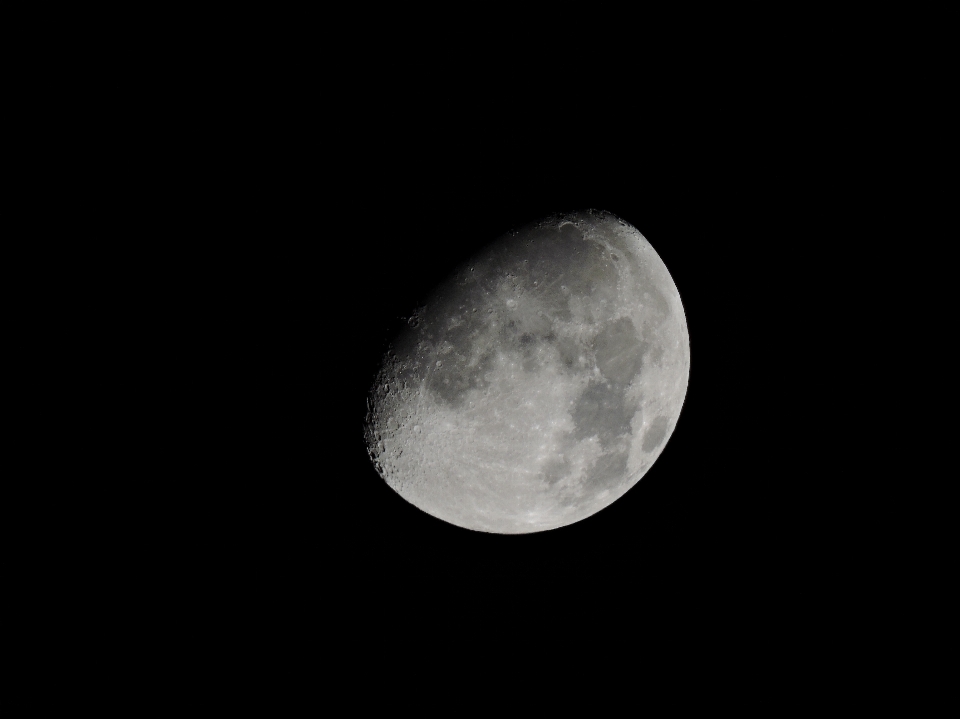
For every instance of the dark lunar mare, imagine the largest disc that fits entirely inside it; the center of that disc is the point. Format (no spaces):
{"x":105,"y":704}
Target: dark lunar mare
{"x":461,"y":310}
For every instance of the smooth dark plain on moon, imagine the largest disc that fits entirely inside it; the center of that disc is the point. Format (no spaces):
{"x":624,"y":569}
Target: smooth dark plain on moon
{"x":538,"y":383}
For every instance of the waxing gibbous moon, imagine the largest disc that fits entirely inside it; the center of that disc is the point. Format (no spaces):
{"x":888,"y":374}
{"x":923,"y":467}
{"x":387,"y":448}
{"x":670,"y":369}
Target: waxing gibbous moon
{"x":538,"y":383}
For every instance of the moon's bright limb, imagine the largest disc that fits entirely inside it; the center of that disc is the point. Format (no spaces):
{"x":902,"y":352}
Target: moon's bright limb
{"x":539,"y":383}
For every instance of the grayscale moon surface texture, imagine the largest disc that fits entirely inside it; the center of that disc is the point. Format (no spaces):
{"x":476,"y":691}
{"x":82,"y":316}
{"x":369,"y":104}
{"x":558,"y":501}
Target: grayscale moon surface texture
{"x":539,"y":382}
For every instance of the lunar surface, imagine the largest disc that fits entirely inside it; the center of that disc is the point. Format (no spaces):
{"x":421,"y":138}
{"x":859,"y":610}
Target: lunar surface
{"x":538,"y":383}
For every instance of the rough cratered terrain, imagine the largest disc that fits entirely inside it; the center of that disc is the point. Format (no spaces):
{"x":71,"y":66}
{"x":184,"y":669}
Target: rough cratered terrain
{"x":538,"y":383}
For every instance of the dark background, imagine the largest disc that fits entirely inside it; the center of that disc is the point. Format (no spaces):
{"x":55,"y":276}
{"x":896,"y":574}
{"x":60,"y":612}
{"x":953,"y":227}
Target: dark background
{"x":296,"y":203}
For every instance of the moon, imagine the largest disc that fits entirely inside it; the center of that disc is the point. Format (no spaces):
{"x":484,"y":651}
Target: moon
{"x":538,"y":383}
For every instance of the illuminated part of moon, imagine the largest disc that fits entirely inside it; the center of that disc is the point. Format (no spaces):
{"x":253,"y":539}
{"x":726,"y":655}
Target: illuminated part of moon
{"x":538,"y":383}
